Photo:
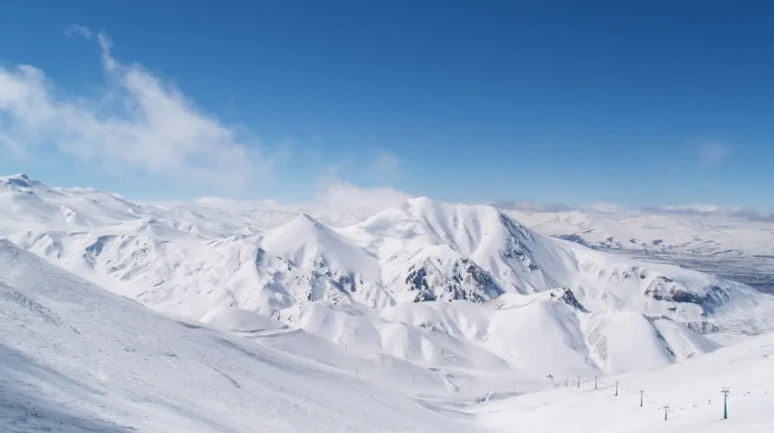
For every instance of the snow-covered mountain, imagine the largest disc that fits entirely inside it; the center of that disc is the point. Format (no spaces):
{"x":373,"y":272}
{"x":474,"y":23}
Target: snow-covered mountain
{"x":425,"y":237}
{"x":426,"y":317}
{"x":428,"y":282}
{"x":75,"y":359}
{"x":731,"y":242}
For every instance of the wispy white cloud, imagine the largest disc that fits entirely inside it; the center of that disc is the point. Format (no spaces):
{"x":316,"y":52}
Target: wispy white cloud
{"x":335,"y":192}
{"x":225,"y":203}
{"x":344,"y":195}
{"x":605,"y":207}
{"x":698,"y":208}
{"x":386,"y":167}
{"x":621,"y":211}
{"x":76,"y":30}
{"x":712,"y":154}
{"x":139,"y":123}
{"x":334,"y":196}
{"x":742,"y":212}
{"x":530,"y":206}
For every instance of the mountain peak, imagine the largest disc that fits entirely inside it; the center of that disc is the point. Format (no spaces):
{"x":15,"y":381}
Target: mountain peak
{"x":303,"y":227}
{"x":307,"y":220}
{"x":426,"y":204}
{"x":20,"y":180}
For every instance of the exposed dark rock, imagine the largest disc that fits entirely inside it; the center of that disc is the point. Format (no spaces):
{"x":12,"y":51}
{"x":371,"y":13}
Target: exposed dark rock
{"x":665,"y":290}
{"x":569,"y":298}
{"x":578,"y":239}
{"x":468,"y":282}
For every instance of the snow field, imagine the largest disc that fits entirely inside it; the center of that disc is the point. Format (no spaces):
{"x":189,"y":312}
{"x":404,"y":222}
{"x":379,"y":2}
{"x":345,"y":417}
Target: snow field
{"x":277,"y":320}
{"x":691,"y":389}
{"x":75,"y":358}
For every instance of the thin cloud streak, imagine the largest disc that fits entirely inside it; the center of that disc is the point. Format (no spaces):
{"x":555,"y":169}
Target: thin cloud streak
{"x":712,"y":154}
{"x":141,"y":123}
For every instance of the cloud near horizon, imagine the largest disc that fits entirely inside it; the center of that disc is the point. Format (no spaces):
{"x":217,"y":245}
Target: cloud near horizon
{"x":704,"y":210}
{"x":712,"y":154}
{"x":386,"y":167}
{"x":340,"y":194}
{"x":714,"y":210}
{"x":139,"y":123}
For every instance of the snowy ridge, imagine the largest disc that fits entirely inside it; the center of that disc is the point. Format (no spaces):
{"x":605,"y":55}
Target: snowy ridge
{"x":75,"y":358}
{"x":423,"y":317}
{"x":377,"y":284}
{"x":737,"y":243}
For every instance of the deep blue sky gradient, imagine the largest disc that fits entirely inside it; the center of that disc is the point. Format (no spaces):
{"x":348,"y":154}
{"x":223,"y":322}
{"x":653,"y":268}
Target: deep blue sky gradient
{"x":563,"y":101}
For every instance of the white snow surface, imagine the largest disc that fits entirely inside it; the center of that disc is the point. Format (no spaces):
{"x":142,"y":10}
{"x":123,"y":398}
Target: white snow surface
{"x":697,"y":232}
{"x":420,"y":282}
{"x":691,"y":390}
{"x":75,"y":358}
{"x":732,"y":242}
{"x":429,"y":312}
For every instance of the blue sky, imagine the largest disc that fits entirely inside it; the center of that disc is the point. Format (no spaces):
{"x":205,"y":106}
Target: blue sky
{"x":637,"y":103}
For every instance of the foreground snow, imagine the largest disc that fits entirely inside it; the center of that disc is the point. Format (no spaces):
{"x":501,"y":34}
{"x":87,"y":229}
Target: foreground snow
{"x":424,"y":317}
{"x":74,"y":358}
{"x":691,"y":390}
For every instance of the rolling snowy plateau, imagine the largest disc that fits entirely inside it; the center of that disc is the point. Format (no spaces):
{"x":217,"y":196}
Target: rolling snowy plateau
{"x":428,"y":316}
{"x":733,"y":242}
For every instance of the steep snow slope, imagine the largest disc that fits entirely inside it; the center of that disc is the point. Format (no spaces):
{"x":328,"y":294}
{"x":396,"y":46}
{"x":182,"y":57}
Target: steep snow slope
{"x":367,"y":278}
{"x":552,"y":333}
{"x":329,"y":266}
{"x":500,"y":255}
{"x":74,"y":358}
{"x":691,"y":390}
{"x":77,"y":359}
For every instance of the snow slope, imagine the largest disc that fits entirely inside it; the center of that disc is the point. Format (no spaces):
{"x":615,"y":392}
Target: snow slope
{"x":376,"y":285}
{"x":732,"y":242}
{"x":691,"y":389}
{"x":74,"y":358}
{"x":77,"y":359}
{"x":404,"y":320}
{"x":499,"y":255}
{"x":551,"y":333}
